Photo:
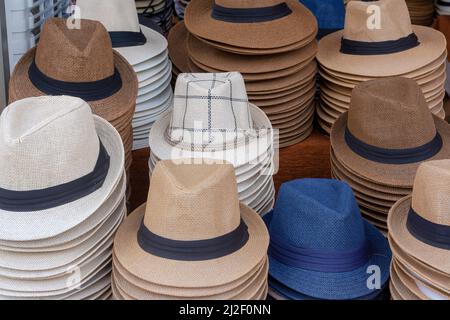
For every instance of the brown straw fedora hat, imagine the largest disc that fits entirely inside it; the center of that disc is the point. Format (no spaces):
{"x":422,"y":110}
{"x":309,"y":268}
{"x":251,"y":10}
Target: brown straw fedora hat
{"x":420,"y":224}
{"x":222,"y":21}
{"x":193,"y":232}
{"x":77,"y":62}
{"x":395,"y":46}
{"x":388,"y":132}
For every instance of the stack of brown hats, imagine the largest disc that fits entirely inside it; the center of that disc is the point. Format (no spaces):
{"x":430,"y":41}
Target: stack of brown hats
{"x":389,"y":46}
{"x":377,"y":145}
{"x":80,"y":62}
{"x":419,"y":235}
{"x":421,"y":11}
{"x":279,"y":71}
{"x":192,"y":240}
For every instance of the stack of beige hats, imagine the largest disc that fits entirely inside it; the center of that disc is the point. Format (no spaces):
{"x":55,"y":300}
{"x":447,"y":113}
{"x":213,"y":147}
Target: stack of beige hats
{"x":146,"y":50}
{"x":377,"y":146}
{"x":62,"y":197}
{"x":79,"y":61}
{"x":193,"y":240}
{"x":379,"y":43}
{"x":212,"y":119}
{"x":271,"y":42}
{"x":421,"y":11}
{"x":419,"y":235}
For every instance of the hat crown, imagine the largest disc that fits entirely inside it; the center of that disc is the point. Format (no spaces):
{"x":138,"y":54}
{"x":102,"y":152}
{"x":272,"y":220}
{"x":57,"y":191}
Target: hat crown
{"x":209,"y":108}
{"x":377,"y":21}
{"x":190,"y":202}
{"x":431,"y":192}
{"x":248,"y":3}
{"x":115,"y":15}
{"x":318,"y":214}
{"x":75,"y":55}
{"x":46,"y":142}
{"x":390,"y":113}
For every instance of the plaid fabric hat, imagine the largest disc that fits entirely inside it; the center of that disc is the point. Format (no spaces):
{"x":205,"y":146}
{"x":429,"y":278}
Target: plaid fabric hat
{"x":210,"y":110}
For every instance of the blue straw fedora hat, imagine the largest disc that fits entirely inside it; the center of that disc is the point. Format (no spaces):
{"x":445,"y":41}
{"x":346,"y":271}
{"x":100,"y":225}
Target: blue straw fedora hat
{"x":320,"y":246}
{"x":330,"y":15}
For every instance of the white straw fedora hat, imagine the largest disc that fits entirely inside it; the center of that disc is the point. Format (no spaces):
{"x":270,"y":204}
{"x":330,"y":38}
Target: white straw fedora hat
{"x":60,"y":164}
{"x":137,"y":43}
{"x":193,"y":232}
{"x":212,"y":118}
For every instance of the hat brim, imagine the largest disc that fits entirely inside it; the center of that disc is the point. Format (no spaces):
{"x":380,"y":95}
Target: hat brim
{"x":295,"y":27}
{"x":177,"y":39}
{"x":44,"y":224}
{"x":156,"y":44}
{"x":381,"y":173}
{"x":434,"y":257}
{"x":237,"y":156}
{"x":111,"y":108}
{"x":337,"y":286}
{"x":221,"y":60}
{"x":432,"y":46}
{"x":190,"y":274}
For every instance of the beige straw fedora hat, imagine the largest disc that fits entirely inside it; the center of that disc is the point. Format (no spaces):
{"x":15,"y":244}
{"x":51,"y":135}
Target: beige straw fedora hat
{"x":388,"y":132}
{"x":77,"y":62}
{"x":212,"y":118}
{"x":137,"y":43}
{"x":193,"y":232}
{"x":60,"y":164}
{"x":420,"y":224}
{"x":382,"y":30}
{"x":222,"y":21}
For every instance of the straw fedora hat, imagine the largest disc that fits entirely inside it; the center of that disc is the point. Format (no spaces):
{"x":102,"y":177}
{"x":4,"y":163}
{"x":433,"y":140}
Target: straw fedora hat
{"x":193,"y":232}
{"x":264,"y":20}
{"x":395,"y":46}
{"x":136,"y":43}
{"x":419,"y":224}
{"x":320,"y":246}
{"x":60,"y":164}
{"x":388,"y":131}
{"x":212,"y":118}
{"x":77,"y":62}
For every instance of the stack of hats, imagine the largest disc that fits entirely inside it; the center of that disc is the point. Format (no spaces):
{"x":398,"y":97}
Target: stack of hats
{"x":212,"y":119}
{"x":443,"y":7}
{"x":80,"y":62}
{"x":244,"y":36}
{"x":146,"y":50}
{"x":421,"y":11}
{"x":419,"y":234}
{"x":180,"y":7}
{"x":390,"y":47}
{"x":159,"y":11}
{"x":321,"y":248}
{"x":442,"y":23}
{"x":377,"y":146}
{"x":193,"y":240}
{"x":330,"y":15}
{"x":62,"y":197}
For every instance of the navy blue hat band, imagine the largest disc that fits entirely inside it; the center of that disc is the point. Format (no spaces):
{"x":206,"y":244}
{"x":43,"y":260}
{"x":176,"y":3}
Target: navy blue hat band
{"x":88,"y":91}
{"x":393,"y":156}
{"x":377,"y":48}
{"x":35,"y":200}
{"x":122,"y":39}
{"x":197,"y":250}
{"x":442,"y":3}
{"x":250,"y":15}
{"x":436,"y":235}
{"x":316,"y":259}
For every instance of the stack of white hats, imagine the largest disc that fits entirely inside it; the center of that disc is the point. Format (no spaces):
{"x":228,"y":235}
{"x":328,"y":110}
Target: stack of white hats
{"x":62,"y":197}
{"x":212,"y":119}
{"x":146,"y":50}
{"x":443,"y":7}
{"x":159,"y":11}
